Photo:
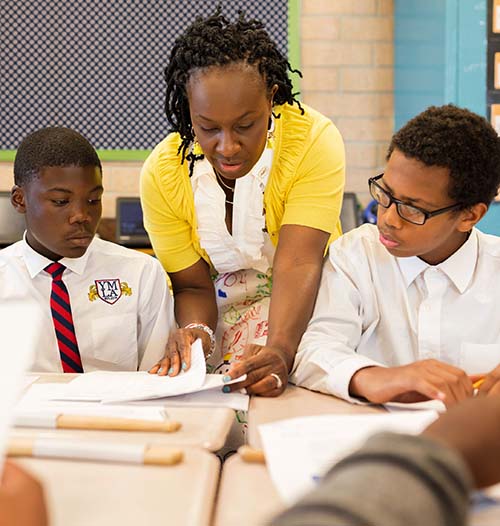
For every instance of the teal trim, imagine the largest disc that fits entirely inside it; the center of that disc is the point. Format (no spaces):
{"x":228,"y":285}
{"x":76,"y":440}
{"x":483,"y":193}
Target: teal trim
{"x":294,"y":40}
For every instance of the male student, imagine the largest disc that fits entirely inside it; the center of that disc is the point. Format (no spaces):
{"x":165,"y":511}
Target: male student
{"x":410,"y":309}
{"x":103,"y":306}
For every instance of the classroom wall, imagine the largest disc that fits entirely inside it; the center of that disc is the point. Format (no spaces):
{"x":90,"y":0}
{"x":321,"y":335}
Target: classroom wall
{"x":347,"y":62}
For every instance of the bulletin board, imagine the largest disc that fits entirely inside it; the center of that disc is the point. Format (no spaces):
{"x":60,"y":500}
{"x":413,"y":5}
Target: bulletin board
{"x":97,"y":67}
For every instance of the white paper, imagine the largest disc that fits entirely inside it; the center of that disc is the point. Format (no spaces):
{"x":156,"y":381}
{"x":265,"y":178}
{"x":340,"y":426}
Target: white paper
{"x":300,"y":451}
{"x":113,"y":387}
{"x":28,"y":380}
{"x":19,"y":323}
{"x":427,"y":405}
{"x":38,"y":409}
{"x":206,"y":398}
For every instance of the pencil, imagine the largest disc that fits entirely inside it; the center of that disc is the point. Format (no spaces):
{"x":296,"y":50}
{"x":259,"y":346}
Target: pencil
{"x":478,"y":383}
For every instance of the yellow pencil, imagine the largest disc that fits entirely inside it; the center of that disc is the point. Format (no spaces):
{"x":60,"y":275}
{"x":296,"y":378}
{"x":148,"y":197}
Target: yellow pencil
{"x":478,"y":383}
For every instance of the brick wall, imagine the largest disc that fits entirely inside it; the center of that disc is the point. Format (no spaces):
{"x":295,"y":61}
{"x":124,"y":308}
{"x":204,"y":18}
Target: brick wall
{"x":119,"y":179}
{"x":347,"y":63}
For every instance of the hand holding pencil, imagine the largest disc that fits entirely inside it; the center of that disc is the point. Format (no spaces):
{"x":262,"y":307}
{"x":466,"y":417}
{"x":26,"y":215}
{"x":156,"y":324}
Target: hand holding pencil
{"x":488,"y":384}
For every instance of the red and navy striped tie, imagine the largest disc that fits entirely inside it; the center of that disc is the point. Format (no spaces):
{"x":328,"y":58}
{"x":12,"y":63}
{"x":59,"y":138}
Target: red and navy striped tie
{"x":63,"y":321}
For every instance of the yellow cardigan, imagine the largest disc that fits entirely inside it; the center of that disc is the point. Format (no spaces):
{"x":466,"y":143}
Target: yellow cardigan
{"x":305,"y":187}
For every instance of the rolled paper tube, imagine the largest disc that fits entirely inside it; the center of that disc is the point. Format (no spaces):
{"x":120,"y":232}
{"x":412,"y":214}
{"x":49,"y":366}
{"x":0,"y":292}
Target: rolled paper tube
{"x":94,"y":451}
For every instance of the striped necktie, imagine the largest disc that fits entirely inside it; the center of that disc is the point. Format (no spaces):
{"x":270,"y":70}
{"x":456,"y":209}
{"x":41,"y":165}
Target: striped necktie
{"x":63,"y":321}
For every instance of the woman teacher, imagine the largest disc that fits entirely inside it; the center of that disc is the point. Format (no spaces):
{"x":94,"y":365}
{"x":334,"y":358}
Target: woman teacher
{"x":240,"y":202}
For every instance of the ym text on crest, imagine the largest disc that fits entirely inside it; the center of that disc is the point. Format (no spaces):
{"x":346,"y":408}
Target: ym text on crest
{"x":109,"y":290}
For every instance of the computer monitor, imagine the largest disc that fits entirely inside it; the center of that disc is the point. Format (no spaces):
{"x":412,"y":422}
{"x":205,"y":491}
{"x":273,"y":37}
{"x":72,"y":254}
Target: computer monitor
{"x":350,"y":214}
{"x":12,"y":223}
{"x":130,"y":230}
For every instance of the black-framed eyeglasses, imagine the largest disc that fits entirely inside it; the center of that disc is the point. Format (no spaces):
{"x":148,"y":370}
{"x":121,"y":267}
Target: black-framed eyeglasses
{"x":412,"y":214}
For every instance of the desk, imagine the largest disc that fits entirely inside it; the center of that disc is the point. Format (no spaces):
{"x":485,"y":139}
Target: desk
{"x":205,"y":428}
{"x":99,"y":494}
{"x":295,"y":402}
{"x":247,"y":496}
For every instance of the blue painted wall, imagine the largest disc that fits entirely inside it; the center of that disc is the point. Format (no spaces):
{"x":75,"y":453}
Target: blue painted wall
{"x":440,"y":55}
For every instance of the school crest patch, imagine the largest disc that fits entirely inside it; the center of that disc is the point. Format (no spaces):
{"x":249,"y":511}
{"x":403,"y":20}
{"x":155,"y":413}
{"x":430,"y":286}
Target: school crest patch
{"x":109,"y":290}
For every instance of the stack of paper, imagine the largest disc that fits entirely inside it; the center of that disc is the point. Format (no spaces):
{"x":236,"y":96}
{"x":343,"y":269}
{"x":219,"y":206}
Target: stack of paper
{"x":300,"y":451}
{"x":112,"y":387}
{"x":137,"y":395}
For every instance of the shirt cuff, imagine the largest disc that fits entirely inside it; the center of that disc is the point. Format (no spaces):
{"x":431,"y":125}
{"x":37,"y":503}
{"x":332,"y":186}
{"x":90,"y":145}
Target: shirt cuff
{"x":340,"y":375}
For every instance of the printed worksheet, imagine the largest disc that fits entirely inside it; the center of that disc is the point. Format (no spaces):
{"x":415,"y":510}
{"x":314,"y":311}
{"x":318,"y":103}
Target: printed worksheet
{"x":113,"y":387}
{"x":299,"y":451}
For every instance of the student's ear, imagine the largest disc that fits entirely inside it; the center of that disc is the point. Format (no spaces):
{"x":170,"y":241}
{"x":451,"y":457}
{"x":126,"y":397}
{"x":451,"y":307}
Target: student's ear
{"x":472,"y":215}
{"x":17,"y":199}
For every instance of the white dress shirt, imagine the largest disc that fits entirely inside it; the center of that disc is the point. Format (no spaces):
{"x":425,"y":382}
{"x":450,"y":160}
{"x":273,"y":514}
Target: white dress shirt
{"x":122,"y":308}
{"x":377,"y":309}
{"x":249,"y":246}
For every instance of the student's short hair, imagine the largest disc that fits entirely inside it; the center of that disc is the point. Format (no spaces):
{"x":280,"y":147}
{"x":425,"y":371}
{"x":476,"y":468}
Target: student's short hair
{"x":459,"y":140}
{"x":53,"y":146}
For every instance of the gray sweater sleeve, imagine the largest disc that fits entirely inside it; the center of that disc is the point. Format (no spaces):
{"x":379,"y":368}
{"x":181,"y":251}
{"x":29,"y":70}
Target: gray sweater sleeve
{"x":393,"y":480}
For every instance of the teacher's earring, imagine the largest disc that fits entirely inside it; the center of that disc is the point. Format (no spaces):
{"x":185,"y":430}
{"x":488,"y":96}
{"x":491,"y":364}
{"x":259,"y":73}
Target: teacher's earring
{"x":195,"y":147}
{"x":270,"y":133}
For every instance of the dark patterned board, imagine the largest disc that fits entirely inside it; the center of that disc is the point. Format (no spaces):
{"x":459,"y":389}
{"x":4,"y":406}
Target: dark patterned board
{"x":97,"y":67}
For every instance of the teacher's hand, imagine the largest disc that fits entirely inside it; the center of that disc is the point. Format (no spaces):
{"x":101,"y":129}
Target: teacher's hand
{"x":178,"y":351}
{"x":266,"y":369}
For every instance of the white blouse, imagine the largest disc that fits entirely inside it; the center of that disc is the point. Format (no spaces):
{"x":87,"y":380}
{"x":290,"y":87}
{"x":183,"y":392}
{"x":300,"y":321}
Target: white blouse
{"x":249,"y":247}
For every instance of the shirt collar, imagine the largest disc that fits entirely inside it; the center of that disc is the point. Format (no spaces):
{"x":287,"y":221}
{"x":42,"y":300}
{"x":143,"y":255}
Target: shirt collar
{"x":35,"y":262}
{"x":459,"y":267}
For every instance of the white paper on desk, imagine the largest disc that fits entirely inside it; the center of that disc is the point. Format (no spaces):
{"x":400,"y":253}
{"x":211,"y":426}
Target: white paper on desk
{"x":19,"y":323}
{"x":37,"y":409}
{"x":300,"y":451}
{"x":428,"y":405}
{"x":206,"y":398}
{"x":114,"y":387}
{"x":28,"y":380}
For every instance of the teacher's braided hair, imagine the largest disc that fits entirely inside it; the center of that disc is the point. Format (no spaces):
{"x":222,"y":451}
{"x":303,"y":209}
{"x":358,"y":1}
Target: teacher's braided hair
{"x":214,"y":41}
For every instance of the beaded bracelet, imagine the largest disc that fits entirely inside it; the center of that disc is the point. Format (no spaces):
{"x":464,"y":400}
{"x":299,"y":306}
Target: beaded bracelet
{"x":209,"y":331}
